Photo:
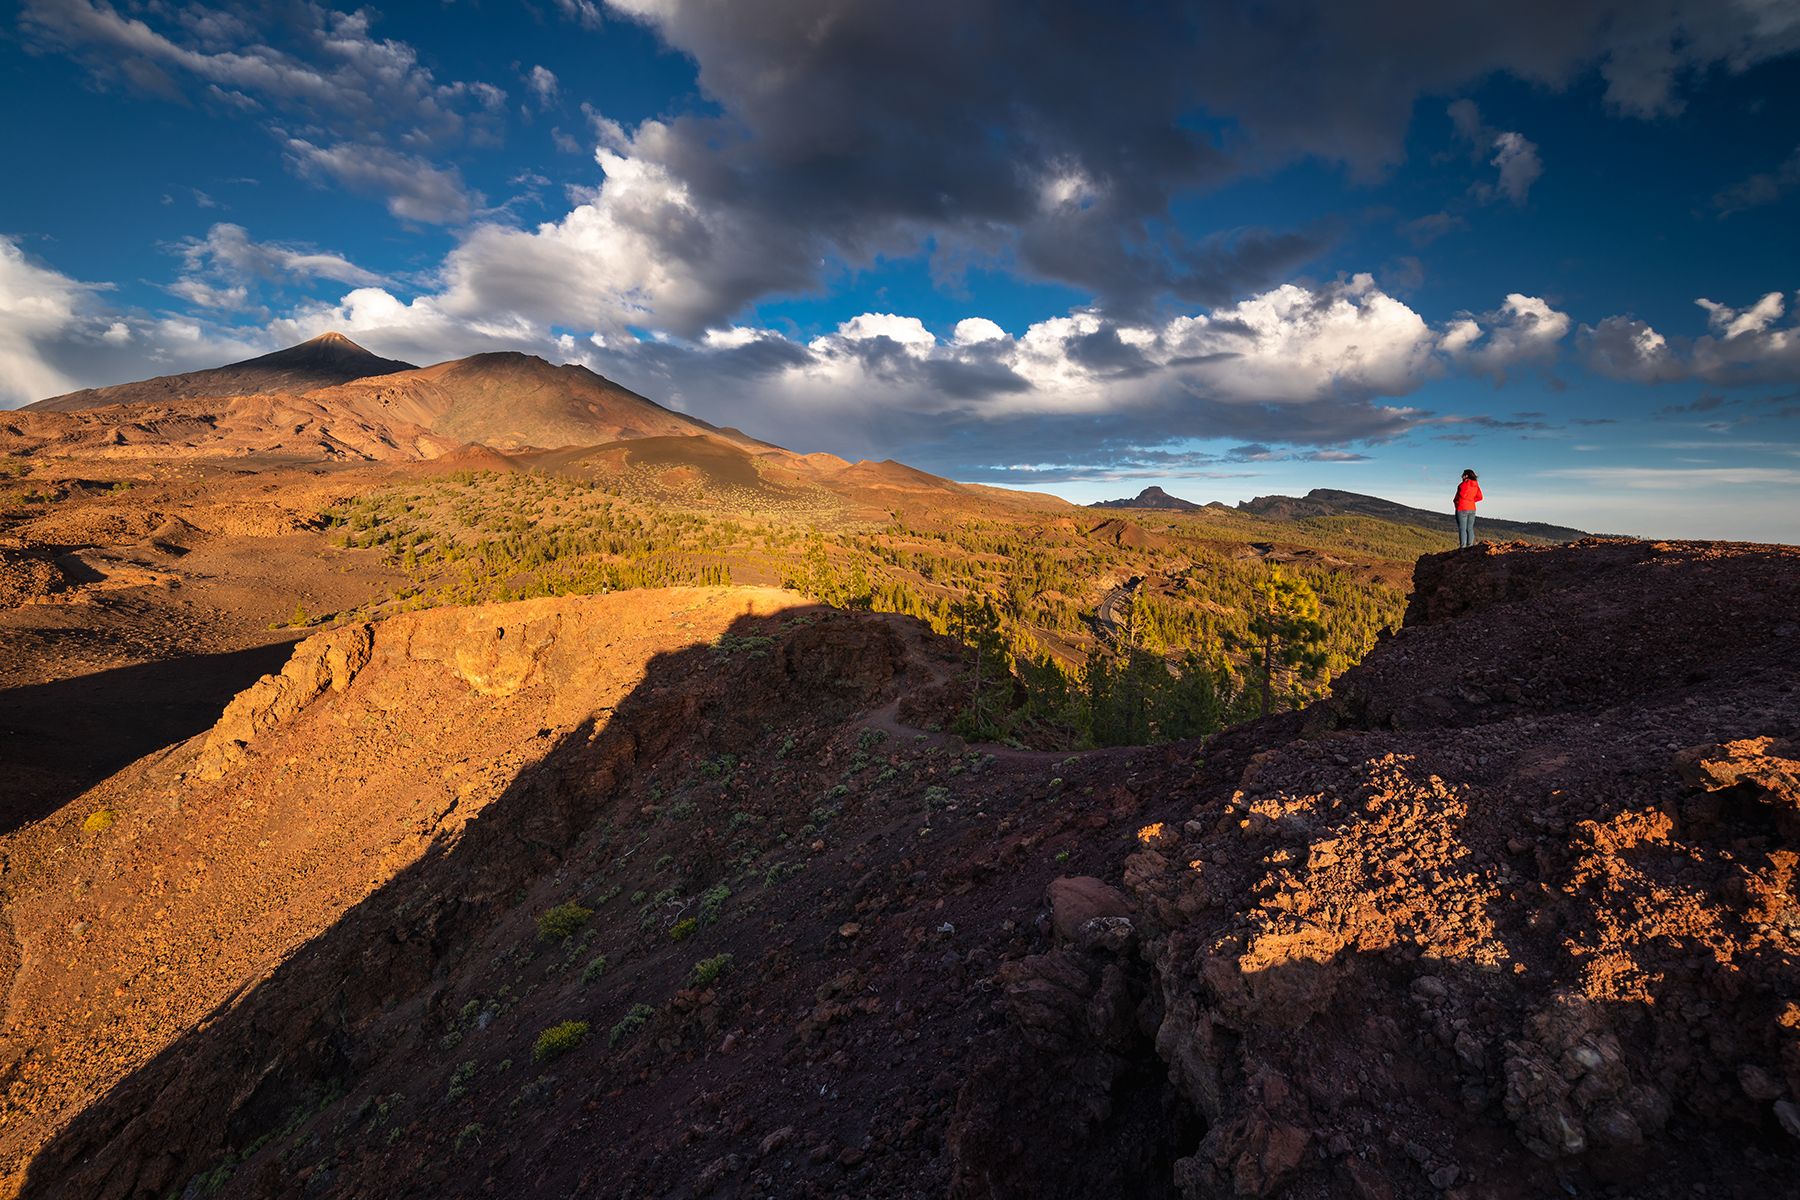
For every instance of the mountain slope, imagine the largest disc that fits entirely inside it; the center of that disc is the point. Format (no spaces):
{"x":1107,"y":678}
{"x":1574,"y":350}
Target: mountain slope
{"x":510,"y":401}
{"x":1328,"y":502}
{"x":330,"y":358}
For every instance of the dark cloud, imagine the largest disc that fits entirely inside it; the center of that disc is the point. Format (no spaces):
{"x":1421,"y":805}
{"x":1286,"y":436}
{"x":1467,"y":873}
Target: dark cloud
{"x":1710,"y":402}
{"x":1054,"y":136}
{"x":1105,"y":353}
{"x":1765,"y":187}
{"x":974,"y":380}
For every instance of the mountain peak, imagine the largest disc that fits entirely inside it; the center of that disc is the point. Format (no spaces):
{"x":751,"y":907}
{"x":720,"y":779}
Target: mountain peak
{"x":322,"y":361}
{"x":1151,"y":497}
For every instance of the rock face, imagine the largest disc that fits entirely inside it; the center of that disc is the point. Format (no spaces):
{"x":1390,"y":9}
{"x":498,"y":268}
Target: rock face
{"x":1520,"y":907}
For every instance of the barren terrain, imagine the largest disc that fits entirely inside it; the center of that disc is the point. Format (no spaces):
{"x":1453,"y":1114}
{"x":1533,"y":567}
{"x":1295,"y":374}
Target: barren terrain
{"x":1513,"y":913}
{"x":411,"y":792}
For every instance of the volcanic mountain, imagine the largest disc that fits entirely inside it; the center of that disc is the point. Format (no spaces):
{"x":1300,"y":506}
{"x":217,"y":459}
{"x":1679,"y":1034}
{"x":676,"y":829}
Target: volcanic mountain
{"x":1328,"y":502}
{"x":1150,"y":497}
{"x":329,"y":399}
{"x":493,"y":411}
{"x":510,"y":401}
{"x":328,"y":359}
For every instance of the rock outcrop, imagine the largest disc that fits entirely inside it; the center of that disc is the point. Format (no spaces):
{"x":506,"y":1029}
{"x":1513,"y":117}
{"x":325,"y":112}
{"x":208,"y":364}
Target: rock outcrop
{"x":1519,"y":912}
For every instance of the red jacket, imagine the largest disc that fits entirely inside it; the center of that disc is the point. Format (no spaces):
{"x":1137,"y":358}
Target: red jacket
{"x":1468,"y":492}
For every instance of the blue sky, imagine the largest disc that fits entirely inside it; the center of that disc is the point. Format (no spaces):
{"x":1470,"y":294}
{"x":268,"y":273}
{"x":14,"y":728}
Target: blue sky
{"x":1077,"y":247}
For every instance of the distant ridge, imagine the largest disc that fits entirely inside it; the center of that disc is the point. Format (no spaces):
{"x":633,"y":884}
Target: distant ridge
{"x":1150,"y":497}
{"x":329,"y":359}
{"x":1328,"y":502}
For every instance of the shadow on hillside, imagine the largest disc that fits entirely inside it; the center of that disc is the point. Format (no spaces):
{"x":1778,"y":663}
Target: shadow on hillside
{"x":59,"y":739}
{"x":365,"y":992}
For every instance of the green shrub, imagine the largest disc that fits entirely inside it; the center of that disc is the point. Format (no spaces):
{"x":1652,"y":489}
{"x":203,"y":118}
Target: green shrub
{"x":556,"y":924}
{"x":639,"y":1016}
{"x":459,"y":1082}
{"x":684,"y":929}
{"x":594,"y":970}
{"x":100,"y":820}
{"x":756,"y":645}
{"x":712,"y":902}
{"x":559,"y":1039}
{"x":777,"y":872}
{"x":709,"y":969}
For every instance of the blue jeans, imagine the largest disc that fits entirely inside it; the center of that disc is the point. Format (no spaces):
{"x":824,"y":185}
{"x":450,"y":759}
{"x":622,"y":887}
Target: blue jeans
{"x":1465,"y":529}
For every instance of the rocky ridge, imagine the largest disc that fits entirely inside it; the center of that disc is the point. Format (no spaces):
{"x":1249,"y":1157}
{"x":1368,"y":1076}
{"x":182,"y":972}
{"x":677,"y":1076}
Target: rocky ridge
{"x":1513,"y":914}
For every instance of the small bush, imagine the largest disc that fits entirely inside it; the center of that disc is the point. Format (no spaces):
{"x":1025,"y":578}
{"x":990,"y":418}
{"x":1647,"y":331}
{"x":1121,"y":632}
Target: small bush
{"x":559,"y":1039}
{"x":594,"y":970}
{"x":630,"y":1023}
{"x":471,"y":1132}
{"x":780,"y":871}
{"x":459,"y":1082}
{"x":684,"y":929}
{"x":756,"y":645}
{"x":100,"y":820}
{"x":556,"y":924}
{"x":709,"y":969}
{"x":712,"y":902}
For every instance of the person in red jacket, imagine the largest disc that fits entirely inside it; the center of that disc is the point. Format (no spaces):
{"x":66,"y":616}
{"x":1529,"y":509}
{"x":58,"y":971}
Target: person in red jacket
{"x":1468,"y":494}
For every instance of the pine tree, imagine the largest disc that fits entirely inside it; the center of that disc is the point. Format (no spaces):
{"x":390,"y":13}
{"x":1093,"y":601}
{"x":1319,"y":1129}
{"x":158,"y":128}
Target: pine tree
{"x":975,"y":622}
{"x":1285,"y":631}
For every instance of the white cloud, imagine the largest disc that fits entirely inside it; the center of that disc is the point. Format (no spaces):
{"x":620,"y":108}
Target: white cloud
{"x":1514,"y":154}
{"x":220,"y":270}
{"x":206,"y":295}
{"x":1519,"y":165}
{"x":1524,"y":329}
{"x":36,"y":305}
{"x":341,"y":74}
{"x":907,"y":331}
{"x":972,"y":331}
{"x":1731,"y":322}
{"x":542,"y":82}
{"x":352,"y":94}
{"x":56,"y":334}
{"x":585,"y":13}
{"x":1745,"y":346}
{"x":1294,"y":344}
{"x":413,"y":188}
